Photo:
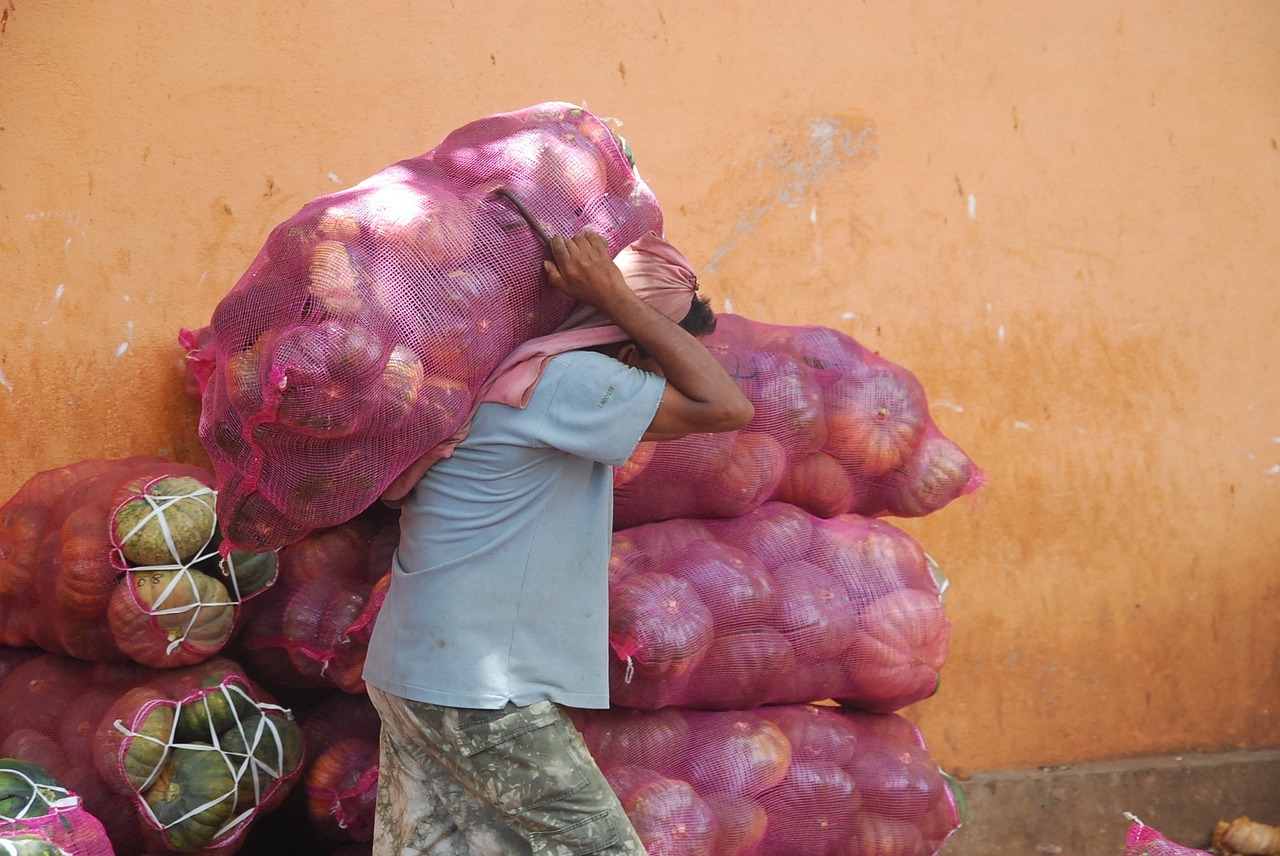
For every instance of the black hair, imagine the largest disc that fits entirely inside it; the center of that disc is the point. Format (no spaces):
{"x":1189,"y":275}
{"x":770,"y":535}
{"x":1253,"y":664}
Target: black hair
{"x":700,"y":320}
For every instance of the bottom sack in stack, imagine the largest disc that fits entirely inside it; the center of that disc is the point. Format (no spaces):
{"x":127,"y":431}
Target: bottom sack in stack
{"x":786,"y":780}
{"x":179,"y":760}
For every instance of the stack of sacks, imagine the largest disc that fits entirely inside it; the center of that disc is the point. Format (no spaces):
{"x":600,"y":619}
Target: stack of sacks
{"x":109,"y":559}
{"x":750,"y":578}
{"x":180,"y":760}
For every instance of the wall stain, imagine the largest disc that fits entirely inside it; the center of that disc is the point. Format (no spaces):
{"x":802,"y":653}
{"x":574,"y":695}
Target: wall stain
{"x":798,"y":160}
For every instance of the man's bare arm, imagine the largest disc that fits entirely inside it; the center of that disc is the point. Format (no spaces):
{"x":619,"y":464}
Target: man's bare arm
{"x":700,"y":394}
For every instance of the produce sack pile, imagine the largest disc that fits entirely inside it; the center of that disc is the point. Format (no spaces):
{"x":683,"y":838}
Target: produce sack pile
{"x":114,"y":559}
{"x":40,"y":816}
{"x":836,"y":429}
{"x":175,"y":760}
{"x":312,"y":627}
{"x":355,"y":341}
{"x":793,"y":780}
{"x":775,"y":606}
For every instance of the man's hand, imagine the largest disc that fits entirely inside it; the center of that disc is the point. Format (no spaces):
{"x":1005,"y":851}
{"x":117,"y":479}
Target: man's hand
{"x":582,"y":268}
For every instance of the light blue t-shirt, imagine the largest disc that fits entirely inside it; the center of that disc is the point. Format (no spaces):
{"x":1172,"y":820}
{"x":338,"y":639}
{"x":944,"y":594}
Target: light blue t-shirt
{"x":499,"y":589}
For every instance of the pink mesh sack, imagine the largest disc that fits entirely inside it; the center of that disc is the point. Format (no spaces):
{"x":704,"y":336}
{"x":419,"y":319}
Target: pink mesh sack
{"x":1145,"y":841}
{"x":773,"y":607}
{"x":341,"y":774}
{"x":34,"y":805}
{"x":175,"y":760}
{"x":356,"y":339}
{"x":114,"y":559}
{"x":312,"y":628}
{"x":837,"y":429}
{"x":795,"y":780}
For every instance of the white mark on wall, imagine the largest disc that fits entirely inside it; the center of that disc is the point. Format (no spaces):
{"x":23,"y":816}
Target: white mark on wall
{"x":817,"y":236}
{"x":128,"y":338}
{"x":203,"y":276}
{"x":951,"y":405}
{"x":1273,"y":471}
{"x":333,"y":176}
{"x":848,"y":316}
{"x":59,"y":291}
{"x":72,"y":217}
{"x":1000,"y":334}
{"x":1022,"y":426}
{"x":973,"y":207}
{"x":728,"y":304}
{"x":126,"y":298}
{"x":4,"y":381}
{"x":801,"y":161}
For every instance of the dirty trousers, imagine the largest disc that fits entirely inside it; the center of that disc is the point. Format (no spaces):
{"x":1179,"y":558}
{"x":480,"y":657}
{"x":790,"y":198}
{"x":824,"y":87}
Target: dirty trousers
{"x":463,"y":782}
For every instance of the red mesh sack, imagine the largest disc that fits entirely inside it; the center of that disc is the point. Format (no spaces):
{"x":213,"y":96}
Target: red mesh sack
{"x":114,"y":559}
{"x":774,"y":607}
{"x":356,"y":339}
{"x":1145,"y":841}
{"x":201,"y":359}
{"x":312,"y":628}
{"x":34,"y":804}
{"x":341,"y":774}
{"x":174,"y":760}
{"x":794,"y":780}
{"x":837,"y":429}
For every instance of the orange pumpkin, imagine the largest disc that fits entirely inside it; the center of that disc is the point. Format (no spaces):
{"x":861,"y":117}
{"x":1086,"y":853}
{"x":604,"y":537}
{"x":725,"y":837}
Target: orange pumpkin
{"x":168,"y":618}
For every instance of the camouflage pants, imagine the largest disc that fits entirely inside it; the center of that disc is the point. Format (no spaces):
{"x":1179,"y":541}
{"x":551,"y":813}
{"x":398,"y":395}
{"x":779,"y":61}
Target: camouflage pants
{"x":462,"y":782}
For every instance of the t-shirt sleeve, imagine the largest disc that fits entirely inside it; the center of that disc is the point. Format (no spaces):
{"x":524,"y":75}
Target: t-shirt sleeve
{"x":596,"y":407}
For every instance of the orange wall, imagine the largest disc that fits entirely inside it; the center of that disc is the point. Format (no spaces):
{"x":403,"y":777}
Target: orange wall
{"x":1063,"y":217}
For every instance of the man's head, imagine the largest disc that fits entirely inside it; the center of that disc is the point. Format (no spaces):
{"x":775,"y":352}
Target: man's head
{"x":699,"y":321}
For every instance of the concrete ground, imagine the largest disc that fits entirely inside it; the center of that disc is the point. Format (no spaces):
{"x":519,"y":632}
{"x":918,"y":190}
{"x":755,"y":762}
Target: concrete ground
{"x":1078,"y":810}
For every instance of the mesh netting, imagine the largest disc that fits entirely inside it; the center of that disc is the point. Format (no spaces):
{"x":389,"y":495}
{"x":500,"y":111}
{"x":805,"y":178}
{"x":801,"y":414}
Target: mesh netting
{"x":341,"y":774}
{"x":113,"y":559}
{"x":34,"y":804}
{"x":1145,"y":841}
{"x":792,"y":780}
{"x":836,"y":429}
{"x":175,"y":760}
{"x":354,"y":342}
{"x":312,"y":628}
{"x":774,"y":607}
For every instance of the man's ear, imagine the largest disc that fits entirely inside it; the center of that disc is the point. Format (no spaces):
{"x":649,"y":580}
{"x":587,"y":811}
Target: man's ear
{"x":628,"y":353}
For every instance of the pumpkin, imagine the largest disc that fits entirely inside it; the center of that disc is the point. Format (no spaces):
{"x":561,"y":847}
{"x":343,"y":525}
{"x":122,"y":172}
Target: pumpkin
{"x":812,"y":611}
{"x":895,"y":656}
{"x":167,"y":523}
{"x":668,"y":814}
{"x":816,"y":802}
{"x":748,"y":755}
{"x":29,"y":845}
{"x":26,"y":790}
{"x":166,"y":618}
{"x":248,"y":573}
{"x":85,"y":577}
{"x":263,"y":749}
{"x":333,"y":280}
{"x":128,"y":759}
{"x":342,"y":787}
{"x":935,"y":474}
{"x":192,"y":798}
{"x":741,"y":823}
{"x":216,"y":708}
{"x":749,"y":476}
{"x":658,"y":621}
{"x":398,"y":388}
{"x":242,"y":375}
{"x":875,"y":835}
{"x":874,"y":421}
{"x":817,"y":482}
{"x":22,"y":529}
{"x":897,"y":781}
{"x":742,"y":670}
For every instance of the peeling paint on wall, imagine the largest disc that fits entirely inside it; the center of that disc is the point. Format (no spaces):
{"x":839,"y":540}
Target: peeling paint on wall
{"x":801,"y":162}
